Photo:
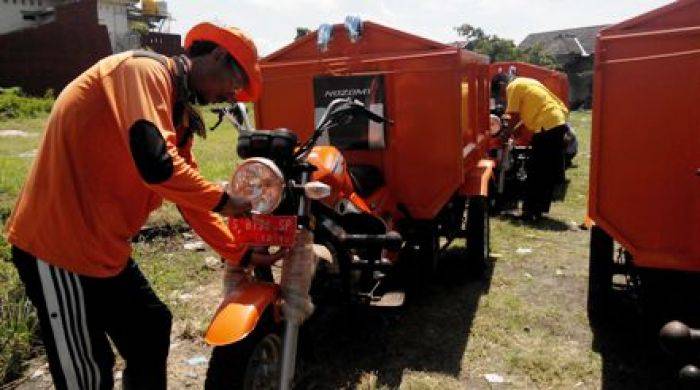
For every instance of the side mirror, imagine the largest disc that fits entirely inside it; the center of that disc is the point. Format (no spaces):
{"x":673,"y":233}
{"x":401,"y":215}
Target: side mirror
{"x":236,"y":114}
{"x":352,"y":108}
{"x":240,"y":118}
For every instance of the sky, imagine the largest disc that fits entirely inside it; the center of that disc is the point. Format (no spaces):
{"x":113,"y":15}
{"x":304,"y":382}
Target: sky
{"x":273,"y":23}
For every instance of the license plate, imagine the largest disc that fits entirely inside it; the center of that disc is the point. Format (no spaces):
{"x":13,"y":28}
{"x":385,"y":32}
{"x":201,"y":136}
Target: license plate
{"x":264,"y":230}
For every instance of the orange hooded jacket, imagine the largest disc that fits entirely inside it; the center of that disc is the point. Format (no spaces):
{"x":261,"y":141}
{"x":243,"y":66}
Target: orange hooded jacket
{"x":88,"y":192}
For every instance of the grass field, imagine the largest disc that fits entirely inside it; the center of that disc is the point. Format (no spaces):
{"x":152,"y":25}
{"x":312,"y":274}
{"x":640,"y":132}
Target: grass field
{"x":525,"y":321}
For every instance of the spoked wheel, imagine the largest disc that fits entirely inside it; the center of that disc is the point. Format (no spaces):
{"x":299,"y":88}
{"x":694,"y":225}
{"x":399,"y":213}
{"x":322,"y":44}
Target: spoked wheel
{"x":478,"y":234}
{"x":252,"y":363}
{"x":263,"y":368}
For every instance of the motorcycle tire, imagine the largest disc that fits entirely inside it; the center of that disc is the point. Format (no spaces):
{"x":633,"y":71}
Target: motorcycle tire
{"x":230,"y":364}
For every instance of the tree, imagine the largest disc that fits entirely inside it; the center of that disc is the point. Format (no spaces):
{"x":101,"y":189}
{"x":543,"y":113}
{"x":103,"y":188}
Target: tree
{"x":500,"y":49}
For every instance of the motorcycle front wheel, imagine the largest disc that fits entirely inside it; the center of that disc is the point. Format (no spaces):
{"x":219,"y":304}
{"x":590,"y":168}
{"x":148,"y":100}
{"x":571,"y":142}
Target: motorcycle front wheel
{"x":252,"y":363}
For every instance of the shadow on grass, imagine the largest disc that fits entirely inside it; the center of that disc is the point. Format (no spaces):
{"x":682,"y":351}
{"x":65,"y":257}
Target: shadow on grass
{"x":430,"y":333}
{"x":544,"y":223}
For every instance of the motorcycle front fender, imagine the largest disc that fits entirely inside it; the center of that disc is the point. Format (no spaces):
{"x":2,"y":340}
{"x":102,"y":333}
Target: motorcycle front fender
{"x":240,"y":312}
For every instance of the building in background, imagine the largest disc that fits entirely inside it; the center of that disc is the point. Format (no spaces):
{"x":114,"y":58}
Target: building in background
{"x":574,"y":51}
{"x":114,"y":14}
{"x":47,"y":43}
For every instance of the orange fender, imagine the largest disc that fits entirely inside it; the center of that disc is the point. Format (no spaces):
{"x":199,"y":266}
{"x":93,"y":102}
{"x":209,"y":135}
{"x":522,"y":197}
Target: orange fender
{"x":240,"y":312}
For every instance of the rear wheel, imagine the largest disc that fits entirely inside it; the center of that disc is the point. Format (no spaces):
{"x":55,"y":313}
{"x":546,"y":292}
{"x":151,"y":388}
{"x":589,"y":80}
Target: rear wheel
{"x":600,"y":276}
{"x":478,"y":233}
{"x":252,"y":363}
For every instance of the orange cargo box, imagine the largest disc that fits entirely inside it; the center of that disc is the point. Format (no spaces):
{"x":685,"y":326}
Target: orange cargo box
{"x":437,"y":96}
{"x":644,"y":182}
{"x":556,"y":82}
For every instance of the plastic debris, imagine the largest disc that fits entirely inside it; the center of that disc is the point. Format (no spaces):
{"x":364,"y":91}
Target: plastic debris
{"x":212,"y":262}
{"x":185,"y":297}
{"x":528,"y":275}
{"x":494,"y":378}
{"x":29,"y":154}
{"x":196,"y":246}
{"x":523,"y":251}
{"x":559,"y":272}
{"x":196,"y":361}
{"x":325,"y":32}
{"x":354,"y":26}
{"x":118,"y":375}
{"x":495,"y":255}
{"x":13,"y":133}
{"x":38,"y":374}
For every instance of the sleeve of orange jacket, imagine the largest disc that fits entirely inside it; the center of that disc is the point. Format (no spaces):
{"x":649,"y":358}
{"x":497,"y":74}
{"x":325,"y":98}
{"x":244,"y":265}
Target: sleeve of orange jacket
{"x":213,"y":230}
{"x":139,"y":93}
{"x":210,"y":226}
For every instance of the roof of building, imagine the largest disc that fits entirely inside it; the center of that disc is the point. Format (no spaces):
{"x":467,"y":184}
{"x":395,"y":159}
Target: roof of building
{"x":574,"y":40}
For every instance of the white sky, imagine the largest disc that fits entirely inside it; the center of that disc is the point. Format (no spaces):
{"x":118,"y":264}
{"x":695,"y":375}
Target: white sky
{"x":272,"y":23}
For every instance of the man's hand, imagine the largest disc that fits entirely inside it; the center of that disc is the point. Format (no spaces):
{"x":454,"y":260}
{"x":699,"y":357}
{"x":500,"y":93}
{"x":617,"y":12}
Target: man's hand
{"x":236,"y":206}
{"x":261,"y":257}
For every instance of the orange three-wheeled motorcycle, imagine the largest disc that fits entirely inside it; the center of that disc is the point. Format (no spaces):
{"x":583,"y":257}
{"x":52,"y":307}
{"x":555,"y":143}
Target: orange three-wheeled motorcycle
{"x":365,"y":203}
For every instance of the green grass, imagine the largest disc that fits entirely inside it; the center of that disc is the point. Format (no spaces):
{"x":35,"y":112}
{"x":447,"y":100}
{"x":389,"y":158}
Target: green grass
{"x":530,"y":326}
{"x":170,"y":269}
{"x":14,"y":105}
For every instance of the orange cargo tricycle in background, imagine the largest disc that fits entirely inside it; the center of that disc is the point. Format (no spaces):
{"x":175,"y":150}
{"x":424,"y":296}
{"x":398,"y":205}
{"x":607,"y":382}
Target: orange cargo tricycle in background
{"x":644,"y":197}
{"x":384,"y":165}
{"x":511,"y":151}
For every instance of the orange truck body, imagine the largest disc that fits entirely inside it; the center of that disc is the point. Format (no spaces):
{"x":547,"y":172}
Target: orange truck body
{"x":645,"y":147}
{"x":437,"y":96}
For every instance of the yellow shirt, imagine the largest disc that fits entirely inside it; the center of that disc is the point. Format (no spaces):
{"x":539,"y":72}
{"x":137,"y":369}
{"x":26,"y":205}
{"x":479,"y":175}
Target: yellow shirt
{"x":538,"y":107}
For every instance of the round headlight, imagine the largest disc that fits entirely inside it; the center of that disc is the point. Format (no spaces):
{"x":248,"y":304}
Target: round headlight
{"x":261,"y":182}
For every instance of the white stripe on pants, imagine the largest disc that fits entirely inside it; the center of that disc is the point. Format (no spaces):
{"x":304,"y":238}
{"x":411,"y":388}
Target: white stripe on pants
{"x":73,"y":343}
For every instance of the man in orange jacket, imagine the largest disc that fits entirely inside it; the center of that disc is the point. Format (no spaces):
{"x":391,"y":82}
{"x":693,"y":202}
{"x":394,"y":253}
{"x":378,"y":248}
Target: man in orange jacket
{"x":118,"y":141}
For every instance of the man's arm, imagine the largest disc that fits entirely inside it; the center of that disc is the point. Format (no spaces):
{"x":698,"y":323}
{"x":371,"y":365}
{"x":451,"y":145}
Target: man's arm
{"x":139,"y":93}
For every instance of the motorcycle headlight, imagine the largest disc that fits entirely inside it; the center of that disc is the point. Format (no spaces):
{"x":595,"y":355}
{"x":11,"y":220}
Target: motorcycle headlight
{"x":261,"y":182}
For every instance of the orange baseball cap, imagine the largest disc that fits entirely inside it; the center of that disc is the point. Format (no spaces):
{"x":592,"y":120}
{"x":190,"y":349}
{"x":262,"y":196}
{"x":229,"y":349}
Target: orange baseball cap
{"x":239,"y":45}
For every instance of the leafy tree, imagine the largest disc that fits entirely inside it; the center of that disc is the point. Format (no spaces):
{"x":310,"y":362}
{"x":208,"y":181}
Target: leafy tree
{"x":500,"y":49}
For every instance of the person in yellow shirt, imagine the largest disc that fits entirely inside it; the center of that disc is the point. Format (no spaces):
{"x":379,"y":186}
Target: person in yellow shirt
{"x":531,"y":105}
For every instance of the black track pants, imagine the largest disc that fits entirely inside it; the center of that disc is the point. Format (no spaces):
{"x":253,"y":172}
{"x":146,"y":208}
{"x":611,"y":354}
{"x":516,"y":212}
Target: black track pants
{"x":545,"y":169}
{"x":78,"y":316}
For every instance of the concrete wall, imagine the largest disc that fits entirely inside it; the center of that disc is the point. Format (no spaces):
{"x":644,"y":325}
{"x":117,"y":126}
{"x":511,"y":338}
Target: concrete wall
{"x":113,"y":15}
{"x":11,"y":13}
